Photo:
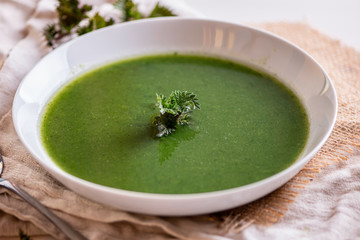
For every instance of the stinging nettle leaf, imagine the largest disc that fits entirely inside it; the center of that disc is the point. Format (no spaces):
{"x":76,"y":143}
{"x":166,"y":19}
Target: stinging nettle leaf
{"x":174,"y":111}
{"x":74,"y":19}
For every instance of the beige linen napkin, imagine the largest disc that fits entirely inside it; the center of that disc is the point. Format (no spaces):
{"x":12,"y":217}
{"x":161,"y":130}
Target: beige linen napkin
{"x":318,"y":196}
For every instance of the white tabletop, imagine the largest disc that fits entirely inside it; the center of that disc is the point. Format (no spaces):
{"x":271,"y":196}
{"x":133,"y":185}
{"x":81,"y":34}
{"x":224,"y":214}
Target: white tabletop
{"x":339,"y":19}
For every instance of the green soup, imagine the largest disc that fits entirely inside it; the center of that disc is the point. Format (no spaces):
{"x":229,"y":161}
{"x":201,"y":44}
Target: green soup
{"x":249,"y":127}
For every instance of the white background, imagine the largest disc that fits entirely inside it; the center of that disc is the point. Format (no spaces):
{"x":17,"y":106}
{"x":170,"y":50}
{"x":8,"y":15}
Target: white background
{"x":339,"y":19}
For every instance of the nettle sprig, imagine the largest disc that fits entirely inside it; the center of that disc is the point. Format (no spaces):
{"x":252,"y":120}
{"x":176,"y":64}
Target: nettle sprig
{"x":175,"y":110}
{"x":74,"y":19}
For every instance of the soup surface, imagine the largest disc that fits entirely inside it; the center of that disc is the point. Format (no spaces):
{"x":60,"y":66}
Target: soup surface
{"x":249,"y":127}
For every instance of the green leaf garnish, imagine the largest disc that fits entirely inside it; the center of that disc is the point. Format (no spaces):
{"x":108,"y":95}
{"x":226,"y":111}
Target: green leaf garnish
{"x":94,"y":23}
{"x":70,"y":13}
{"x":161,"y":11}
{"x":74,"y":19}
{"x":174,"y":111}
{"x":129,"y":10}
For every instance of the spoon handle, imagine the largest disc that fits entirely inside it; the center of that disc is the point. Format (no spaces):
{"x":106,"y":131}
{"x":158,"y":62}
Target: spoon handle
{"x":58,"y":222}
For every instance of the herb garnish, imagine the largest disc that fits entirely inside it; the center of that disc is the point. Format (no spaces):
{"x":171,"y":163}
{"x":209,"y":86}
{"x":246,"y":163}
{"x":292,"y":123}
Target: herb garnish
{"x":174,"y":111}
{"x":75,"y":19}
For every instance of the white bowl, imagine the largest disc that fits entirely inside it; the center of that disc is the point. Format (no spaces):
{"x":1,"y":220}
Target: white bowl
{"x":295,"y":68}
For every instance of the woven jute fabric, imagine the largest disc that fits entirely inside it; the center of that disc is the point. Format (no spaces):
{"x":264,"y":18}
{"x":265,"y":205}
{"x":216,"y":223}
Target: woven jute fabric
{"x":97,"y":221}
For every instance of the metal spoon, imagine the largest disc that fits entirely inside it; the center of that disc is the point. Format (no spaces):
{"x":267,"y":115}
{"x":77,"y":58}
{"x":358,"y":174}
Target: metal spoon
{"x":63,"y":226}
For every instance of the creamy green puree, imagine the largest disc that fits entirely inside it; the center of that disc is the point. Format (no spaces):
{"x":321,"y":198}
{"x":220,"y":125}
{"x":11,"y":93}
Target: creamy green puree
{"x":249,"y":127}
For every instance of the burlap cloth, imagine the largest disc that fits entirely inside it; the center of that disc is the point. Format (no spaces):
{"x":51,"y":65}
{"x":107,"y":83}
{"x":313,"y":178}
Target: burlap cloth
{"x":321,"y":202}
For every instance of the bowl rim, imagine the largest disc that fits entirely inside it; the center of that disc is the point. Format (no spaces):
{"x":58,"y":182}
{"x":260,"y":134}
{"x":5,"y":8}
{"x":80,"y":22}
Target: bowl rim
{"x":153,"y":196}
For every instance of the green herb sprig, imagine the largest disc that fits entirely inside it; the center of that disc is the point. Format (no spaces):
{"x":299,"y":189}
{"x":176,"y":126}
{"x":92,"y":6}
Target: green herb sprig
{"x":74,"y":19}
{"x":175,"y":110}
{"x":129,"y":10}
